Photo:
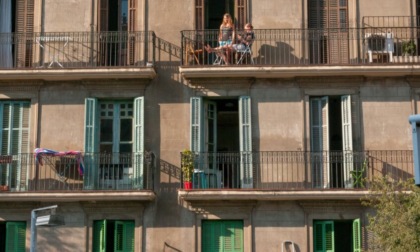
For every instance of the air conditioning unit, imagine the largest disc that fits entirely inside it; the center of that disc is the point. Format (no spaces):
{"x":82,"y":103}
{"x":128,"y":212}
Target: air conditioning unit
{"x":379,"y":43}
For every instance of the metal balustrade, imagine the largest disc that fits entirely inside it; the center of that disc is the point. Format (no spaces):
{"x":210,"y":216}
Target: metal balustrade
{"x":297,"y":170}
{"x":309,"y":47}
{"x":57,"y":50}
{"x":93,"y":171}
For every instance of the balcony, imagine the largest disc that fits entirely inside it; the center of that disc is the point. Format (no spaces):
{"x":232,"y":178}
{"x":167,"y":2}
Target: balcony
{"x":83,"y":54}
{"x":276,"y":53}
{"x":101,"y":176}
{"x":293,"y":174}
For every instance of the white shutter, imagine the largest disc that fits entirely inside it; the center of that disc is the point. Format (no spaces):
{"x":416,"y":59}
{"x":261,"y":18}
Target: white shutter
{"x":347,"y":139}
{"x":320,"y":141}
{"x":245,"y":138}
{"x":138,"y":143}
{"x":14,"y":141}
{"x":196,"y":113}
{"x":91,"y":143}
{"x":325,"y":142}
{"x":197,"y":132}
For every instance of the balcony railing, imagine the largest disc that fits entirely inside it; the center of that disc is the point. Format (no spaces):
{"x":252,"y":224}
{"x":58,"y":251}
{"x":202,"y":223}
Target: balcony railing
{"x":309,"y":47}
{"x":93,"y":171}
{"x":56,"y":50}
{"x":296,"y":170}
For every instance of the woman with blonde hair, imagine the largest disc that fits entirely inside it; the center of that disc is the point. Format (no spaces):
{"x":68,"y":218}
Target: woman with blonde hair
{"x":226,"y":35}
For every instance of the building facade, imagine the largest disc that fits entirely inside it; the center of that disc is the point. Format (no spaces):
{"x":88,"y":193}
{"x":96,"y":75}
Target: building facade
{"x":100,"y":99}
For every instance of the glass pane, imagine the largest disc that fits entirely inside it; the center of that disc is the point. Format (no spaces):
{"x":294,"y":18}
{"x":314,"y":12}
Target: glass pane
{"x":105,"y":148}
{"x":126,"y":148}
{"x":126,"y":130}
{"x":124,"y":11}
{"x":106,"y":130}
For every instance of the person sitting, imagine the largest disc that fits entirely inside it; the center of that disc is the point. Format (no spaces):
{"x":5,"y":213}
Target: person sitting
{"x":245,"y":39}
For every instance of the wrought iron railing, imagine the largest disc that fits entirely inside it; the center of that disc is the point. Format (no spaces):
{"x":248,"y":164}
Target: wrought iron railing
{"x":56,"y":50}
{"x":308,"y":47}
{"x":297,"y":170}
{"x":89,"y":171}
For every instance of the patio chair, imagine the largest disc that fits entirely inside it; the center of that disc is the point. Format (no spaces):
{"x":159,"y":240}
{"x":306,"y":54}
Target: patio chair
{"x":245,"y":53}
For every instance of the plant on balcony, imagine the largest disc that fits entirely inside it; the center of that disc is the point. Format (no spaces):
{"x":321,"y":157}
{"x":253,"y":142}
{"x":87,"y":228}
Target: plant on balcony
{"x":408,"y":47}
{"x":187,"y":167}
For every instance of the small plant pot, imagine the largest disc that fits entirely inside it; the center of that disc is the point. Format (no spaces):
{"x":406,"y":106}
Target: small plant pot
{"x":4,"y":188}
{"x":188,"y":185}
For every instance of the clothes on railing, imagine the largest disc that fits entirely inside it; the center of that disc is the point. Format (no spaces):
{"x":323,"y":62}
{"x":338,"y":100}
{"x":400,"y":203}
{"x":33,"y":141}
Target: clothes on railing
{"x":39,"y":152}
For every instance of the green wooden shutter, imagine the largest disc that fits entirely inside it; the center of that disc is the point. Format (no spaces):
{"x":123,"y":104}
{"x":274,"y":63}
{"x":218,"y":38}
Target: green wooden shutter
{"x":320,"y":143}
{"x":232,"y":233}
{"x":357,"y":241}
{"x":347,"y":130}
{"x":124,"y":236}
{"x":245,"y":139}
{"x":91,"y":143}
{"x":16,"y":236}
{"x":323,"y":236}
{"x":138,"y":143}
{"x":226,"y":236}
{"x":99,"y":236}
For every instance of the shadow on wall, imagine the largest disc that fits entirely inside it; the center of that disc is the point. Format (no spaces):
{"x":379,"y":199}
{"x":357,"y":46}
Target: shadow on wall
{"x":282,"y":53}
{"x":167,"y":247}
{"x":173,"y":177}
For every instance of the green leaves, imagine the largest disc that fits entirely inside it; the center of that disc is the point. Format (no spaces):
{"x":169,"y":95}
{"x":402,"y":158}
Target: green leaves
{"x":187,"y":164}
{"x":395,"y":223}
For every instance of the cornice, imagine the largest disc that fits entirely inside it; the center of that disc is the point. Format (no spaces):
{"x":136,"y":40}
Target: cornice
{"x":229,"y":83}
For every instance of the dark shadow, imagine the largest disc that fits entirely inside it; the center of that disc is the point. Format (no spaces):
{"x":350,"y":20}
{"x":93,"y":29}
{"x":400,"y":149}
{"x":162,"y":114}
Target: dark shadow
{"x":281,"y":54}
{"x":167,"y":247}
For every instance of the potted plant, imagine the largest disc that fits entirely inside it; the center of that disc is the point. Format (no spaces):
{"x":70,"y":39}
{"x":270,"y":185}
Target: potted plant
{"x":408,"y":48}
{"x":187,"y":167}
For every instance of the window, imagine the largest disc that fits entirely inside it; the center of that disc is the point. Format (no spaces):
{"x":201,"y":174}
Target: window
{"x":115,"y":130}
{"x":116,"y":18}
{"x":337,"y":235}
{"x":209,"y":13}
{"x":329,"y":44}
{"x":331,"y":133}
{"x":14,"y":138}
{"x":13,"y":236}
{"x":113,"y":235}
{"x":211,"y":121}
{"x":222,"y":235}
{"x":16,"y":16}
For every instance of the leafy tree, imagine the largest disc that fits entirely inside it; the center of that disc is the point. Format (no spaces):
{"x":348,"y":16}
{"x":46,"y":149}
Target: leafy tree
{"x":395,"y":225}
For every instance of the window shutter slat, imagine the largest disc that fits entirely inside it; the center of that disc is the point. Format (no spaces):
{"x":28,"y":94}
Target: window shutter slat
{"x":357,"y":243}
{"x":197,"y":141}
{"x":346,"y":125}
{"x":16,"y":236}
{"x":138,"y":142}
{"x":99,"y":236}
{"x":199,"y":14}
{"x":323,"y":232}
{"x":91,"y":142}
{"x":129,"y":236}
{"x":245,"y":139}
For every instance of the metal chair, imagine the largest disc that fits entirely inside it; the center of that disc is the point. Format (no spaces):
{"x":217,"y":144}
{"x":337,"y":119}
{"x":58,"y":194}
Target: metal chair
{"x":244,"y":53}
